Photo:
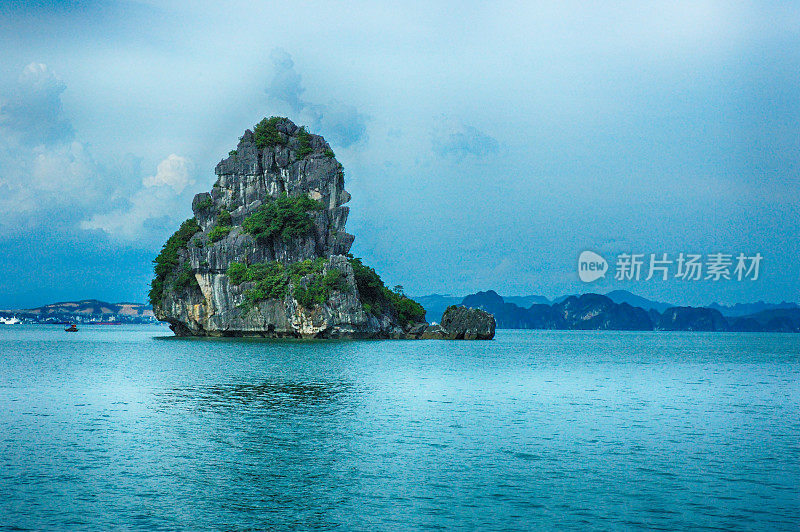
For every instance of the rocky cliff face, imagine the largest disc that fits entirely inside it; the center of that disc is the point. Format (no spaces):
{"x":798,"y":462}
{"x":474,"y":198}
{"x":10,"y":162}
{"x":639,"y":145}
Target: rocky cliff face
{"x":588,"y":311}
{"x":594,"y":311}
{"x":692,"y":319}
{"x":266,"y":253}
{"x":462,"y":323}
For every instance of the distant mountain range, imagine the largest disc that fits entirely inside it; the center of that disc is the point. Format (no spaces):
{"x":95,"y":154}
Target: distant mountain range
{"x":620,"y":310}
{"x":737,"y":310}
{"x":84,"y":311}
{"x":745,"y":309}
{"x":623,"y":296}
{"x":616,"y":310}
{"x":436,"y":304}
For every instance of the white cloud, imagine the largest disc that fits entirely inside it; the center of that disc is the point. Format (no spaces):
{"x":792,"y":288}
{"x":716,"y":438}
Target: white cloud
{"x":48,"y":179}
{"x":67,"y":170}
{"x":42,"y":169}
{"x":173,"y":172}
{"x":32,"y":112}
{"x":159,"y":202}
{"x":342,"y":124}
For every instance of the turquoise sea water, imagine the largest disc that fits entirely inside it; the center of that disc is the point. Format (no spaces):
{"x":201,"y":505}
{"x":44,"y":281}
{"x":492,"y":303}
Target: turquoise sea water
{"x":124,"y":428}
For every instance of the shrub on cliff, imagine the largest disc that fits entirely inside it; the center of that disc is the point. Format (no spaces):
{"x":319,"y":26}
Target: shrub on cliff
{"x":272,"y":280}
{"x":266,"y":132}
{"x":185,"y":278}
{"x":218,"y":232}
{"x":377,"y":298}
{"x":222,"y":228}
{"x":168,"y":259}
{"x":407,"y":310}
{"x":305,"y":143}
{"x":224,"y":217}
{"x":317,"y":288}
{"x":285,"y":218}
{"x":205,"y":203}
{"x":237,"y":273}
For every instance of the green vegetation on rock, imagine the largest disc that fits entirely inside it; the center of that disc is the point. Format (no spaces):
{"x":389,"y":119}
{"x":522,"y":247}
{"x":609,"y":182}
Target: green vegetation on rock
{"x":329,"y":153}
{"x":407,"y":310}
{"x":205,"y":203}
{"x":218,"y":232}
{"x":224,"y":217}
{"x":285,"y":218}
{"x":223,"y":227}
{"x":185,"y":278}
{"x":272,"y":281}
{"x":168,"y":259}
{"x":318,"y":287}
{"x":305,"y":143}
{"x":237,"y":273}
{"x":377,"y":298}
{"x":266,"y":132}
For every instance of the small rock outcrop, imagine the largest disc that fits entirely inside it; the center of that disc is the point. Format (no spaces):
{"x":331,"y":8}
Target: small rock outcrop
{"x":266,"y":253}
{"x":462,"y":323}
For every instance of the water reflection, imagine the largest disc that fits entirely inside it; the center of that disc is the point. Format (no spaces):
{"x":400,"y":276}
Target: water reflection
{"x":265,"y":396}
{"x":285,"y":445}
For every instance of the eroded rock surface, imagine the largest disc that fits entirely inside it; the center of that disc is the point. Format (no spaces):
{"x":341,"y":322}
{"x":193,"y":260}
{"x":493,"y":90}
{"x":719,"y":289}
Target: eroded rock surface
{"x":462,"y":323}
{"x":267,"y":253}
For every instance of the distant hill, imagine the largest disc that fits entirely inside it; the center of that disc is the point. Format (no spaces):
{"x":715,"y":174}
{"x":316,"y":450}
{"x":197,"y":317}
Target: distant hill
{"x":773,"y":320}
{"x":588,"y":311}
{"x":692,"y":319}
{"x":436,"y":304}
{"x":86,"y":310}
{"x":88,"y":307}
{"x":527,"y":301}
{"x":626,"y":311}
{"x":744,"y":309}
{"x":623,"y":296}
{"x":507,"y":315}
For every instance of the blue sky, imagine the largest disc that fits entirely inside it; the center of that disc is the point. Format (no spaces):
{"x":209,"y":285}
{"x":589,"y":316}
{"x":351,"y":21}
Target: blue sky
{"x":485,"y":144}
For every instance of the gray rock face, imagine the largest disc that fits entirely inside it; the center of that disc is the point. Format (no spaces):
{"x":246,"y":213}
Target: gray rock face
{"x":462,"y":323}
{"x":588,"y":311}
{"x":692,"y":319}
{"x":196,"y":295}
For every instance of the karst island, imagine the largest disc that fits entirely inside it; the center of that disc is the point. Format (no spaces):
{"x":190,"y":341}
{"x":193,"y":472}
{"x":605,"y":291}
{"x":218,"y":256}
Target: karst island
{"x":267,"y":255}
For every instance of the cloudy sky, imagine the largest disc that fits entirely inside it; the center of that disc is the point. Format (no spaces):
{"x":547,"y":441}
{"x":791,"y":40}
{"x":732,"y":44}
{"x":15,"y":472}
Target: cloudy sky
{"x":485,"y":144}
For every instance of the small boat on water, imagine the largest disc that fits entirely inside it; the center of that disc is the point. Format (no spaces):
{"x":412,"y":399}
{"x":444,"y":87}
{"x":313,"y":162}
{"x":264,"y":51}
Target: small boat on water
{"x":72,"y":328}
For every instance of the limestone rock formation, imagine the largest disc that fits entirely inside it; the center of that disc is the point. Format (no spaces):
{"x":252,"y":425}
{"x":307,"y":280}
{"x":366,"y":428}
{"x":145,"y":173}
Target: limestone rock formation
{"x":267,"y":254}
{"x":462,"y":323}
{"x":692,"y":319}
{"x":588,"y":311}
{"x":593,"y":311}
